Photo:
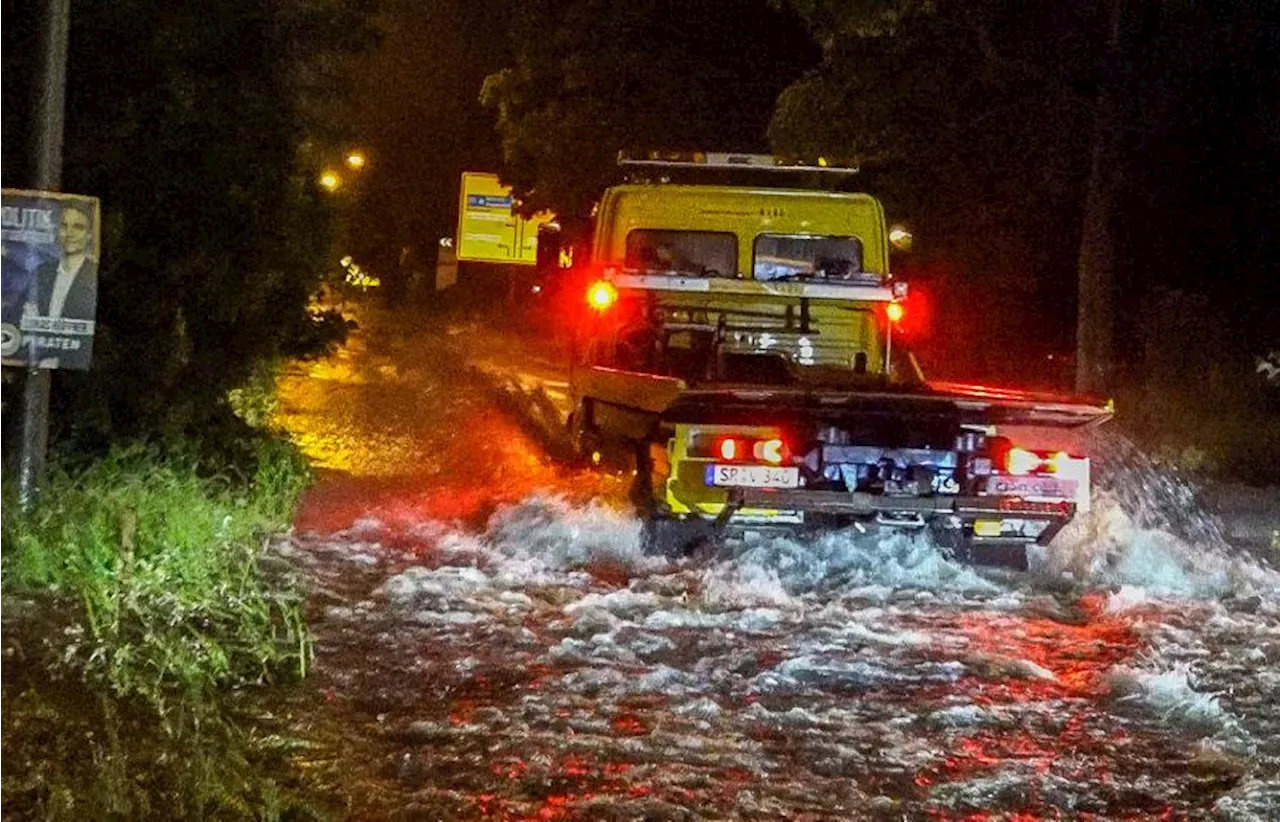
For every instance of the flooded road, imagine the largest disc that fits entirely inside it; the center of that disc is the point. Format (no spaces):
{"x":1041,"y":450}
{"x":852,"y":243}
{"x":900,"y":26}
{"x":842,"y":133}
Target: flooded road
{"x":491,"y":643}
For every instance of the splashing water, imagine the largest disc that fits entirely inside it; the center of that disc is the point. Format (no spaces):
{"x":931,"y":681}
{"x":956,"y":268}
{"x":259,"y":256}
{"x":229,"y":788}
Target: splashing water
{"x":1147,"y":529}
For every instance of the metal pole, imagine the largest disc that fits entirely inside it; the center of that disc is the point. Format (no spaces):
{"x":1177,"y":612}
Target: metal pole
{"x":1095,"y":320}
{"x":54,"y":26}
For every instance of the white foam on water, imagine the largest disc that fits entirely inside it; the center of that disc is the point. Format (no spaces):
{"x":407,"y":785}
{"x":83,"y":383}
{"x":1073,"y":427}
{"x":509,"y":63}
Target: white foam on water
{"x":563,"y":536}
{"x":624,"y":603}
{"x":852,"y":563}
{"x":703,"y":708}
{"x":447,"y":584}
{"x":738,"y":585}
{"x":1252,"y":800}
{"x":1106,"y":546}
{"x":662,"y":620}
{"x":1170,"y":695}
{"x":812,"y":670}
{"x":1126,"y":598}
{"x":960,"y":716}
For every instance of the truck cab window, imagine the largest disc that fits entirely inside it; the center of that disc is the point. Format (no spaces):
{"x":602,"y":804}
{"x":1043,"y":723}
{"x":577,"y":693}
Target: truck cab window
{"x":696,"y":253}
{"x":781,"y":257}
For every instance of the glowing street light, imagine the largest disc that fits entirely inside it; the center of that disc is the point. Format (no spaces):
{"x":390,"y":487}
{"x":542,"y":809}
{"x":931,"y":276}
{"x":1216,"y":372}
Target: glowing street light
{"x":356,"y":160}
{"x":329,"y":180}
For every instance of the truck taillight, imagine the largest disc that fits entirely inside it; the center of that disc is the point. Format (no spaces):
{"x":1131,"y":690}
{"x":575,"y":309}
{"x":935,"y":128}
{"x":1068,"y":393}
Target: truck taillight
{"x":1008,"y":458}
{"x":1020,"y":461}
{"x":601,"y":295}
{"x":768,"y":450}
{"x":772,"y":451}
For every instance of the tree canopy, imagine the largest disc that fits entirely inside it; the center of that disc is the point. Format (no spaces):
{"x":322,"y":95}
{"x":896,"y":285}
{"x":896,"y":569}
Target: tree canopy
{"x":592,"y":77}
{"x":977,"y":121}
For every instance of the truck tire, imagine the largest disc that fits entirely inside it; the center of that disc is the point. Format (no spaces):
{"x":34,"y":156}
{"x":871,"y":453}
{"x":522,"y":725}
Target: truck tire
{"x":585,"y":442}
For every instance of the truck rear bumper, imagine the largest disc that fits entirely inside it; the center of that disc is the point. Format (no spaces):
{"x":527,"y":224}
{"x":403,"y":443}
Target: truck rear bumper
{"x":975,"y":521}
{"x":864,"y":504}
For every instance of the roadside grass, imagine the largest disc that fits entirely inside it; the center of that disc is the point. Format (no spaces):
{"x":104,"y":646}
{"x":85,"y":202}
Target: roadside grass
{"x":140,"y":620}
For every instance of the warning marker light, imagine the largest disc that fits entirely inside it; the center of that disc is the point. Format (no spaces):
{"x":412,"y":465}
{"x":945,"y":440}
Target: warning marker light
{"x":601,"y":295}
{"x":895,"y":312}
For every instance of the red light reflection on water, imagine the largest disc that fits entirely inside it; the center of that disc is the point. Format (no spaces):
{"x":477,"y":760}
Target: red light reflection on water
{"x":1078,"y":653}
{"x":458,"y":485}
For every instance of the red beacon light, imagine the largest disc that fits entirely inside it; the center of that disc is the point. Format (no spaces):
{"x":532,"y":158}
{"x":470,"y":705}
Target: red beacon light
{"x":601,"y":295}
{"x":895,"y":312}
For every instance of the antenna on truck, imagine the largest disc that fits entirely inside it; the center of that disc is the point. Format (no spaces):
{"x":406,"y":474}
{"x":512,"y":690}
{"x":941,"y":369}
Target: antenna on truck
{"x":708,"y":159}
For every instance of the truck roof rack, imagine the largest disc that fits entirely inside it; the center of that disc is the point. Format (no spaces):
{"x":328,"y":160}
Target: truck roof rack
{"x":709,"y":159}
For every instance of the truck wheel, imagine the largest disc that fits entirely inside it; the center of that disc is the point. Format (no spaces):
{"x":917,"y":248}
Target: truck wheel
{"x":585,"y":442}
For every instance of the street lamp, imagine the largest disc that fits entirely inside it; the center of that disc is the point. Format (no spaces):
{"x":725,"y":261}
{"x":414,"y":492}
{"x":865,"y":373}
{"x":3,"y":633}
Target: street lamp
{"x":356,"y":159}
{"x":329,"y":180}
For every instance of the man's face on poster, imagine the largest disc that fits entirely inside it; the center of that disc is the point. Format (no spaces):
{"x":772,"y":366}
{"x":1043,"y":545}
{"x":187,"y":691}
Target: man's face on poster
{"x":74,"y":230}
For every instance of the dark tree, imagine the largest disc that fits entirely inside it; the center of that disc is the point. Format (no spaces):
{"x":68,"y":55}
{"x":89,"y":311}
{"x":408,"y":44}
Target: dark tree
{"x":199,"y":125}
{"x":978,"y":121}
{"x":591,"y":77}
{"x":972,"y":120}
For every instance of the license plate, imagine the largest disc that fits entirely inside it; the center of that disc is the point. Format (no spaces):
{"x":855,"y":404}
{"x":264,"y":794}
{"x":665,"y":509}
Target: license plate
{"x":753,"y":476}
{"x":1032,"y":487}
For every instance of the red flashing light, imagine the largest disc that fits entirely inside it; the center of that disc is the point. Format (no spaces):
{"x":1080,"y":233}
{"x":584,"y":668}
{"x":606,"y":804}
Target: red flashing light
{"x":601,"y":295}
{"x":895,"y":312}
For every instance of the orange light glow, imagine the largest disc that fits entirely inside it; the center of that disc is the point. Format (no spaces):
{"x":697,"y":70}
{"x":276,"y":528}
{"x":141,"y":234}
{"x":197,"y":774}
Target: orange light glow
{"x":1057,"y":462}
{"x":895,"y":312}
{"x":601,"y":295}
{"x":1021,"y":461}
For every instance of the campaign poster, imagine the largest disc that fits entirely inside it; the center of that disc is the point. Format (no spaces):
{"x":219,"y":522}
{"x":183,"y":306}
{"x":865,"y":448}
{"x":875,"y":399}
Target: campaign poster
{"x":48,"y":278}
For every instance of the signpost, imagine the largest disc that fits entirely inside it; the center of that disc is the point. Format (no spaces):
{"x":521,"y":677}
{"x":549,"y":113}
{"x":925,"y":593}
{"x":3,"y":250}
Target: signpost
{"x":489,"y":230}
{"x":47,"y":134}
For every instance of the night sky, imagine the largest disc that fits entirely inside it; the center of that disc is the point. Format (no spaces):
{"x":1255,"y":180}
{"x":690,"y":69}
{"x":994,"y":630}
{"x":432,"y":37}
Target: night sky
{"x":422,"y":119}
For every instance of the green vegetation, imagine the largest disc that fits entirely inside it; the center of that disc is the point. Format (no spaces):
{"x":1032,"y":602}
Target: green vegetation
{"x":141,"y":619}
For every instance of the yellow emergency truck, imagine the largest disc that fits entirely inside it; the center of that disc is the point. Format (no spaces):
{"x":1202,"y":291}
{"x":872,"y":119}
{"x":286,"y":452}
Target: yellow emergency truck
{"x":738,"y":352}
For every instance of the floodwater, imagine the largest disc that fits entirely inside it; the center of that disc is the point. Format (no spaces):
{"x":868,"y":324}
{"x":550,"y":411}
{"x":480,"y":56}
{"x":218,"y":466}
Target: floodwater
{"x":492,"y":643}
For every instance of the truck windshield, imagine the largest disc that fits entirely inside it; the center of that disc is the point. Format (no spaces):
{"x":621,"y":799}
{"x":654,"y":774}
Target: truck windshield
{"x":786,"y":257}
{"x":702,"y":253}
